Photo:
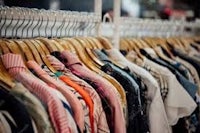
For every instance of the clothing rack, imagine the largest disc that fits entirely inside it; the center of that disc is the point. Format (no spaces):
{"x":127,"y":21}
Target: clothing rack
{"x":26,"y":22}
{"x":142,"y":90}
{"x":134,"y":27}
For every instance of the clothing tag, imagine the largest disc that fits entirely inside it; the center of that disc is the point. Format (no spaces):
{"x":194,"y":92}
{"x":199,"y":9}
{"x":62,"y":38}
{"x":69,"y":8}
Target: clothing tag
{"x":58,"y":74}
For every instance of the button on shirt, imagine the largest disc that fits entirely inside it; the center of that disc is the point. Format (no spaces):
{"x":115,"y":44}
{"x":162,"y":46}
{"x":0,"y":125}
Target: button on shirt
{"x":100,"y":122}
{"x":15,"y":66}
{"x":157,"y":115}
{"x":103,"y":87}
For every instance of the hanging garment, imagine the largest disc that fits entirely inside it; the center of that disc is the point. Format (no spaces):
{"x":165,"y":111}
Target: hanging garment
{"x":14,"y":64}
{"x":17,"y":110}
{"x":34,"y":108}
{"x":155,"y":102}
{"x":189,"y":86}
{"x":137,"y":122}
{"x":100,"y":121}
{"x":105,"y":89}
{"x":33,"y":65}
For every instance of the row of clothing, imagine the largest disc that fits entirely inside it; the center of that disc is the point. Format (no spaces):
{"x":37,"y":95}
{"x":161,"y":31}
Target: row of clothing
{"x":98,"y":90}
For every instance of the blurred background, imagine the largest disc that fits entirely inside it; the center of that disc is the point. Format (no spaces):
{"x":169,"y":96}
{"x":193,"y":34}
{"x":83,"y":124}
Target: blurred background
{"x":163,"y":9}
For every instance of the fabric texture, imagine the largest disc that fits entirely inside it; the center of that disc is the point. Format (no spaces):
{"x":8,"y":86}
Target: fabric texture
{"x":100,"y":122}
{"x":17,"y":110}
{"x":157,"y":119}
{"x":105,"y":89}
{"x":4,"y":125}
{"x":61,"y":87}
{"x":15,"y":66}
{"x":178,"y":102}
{"x":136,"y":119}
{"x":34,"y":108}
{"x":189,"y":86}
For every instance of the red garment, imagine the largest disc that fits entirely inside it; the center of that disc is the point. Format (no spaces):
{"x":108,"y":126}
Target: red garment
{"x":15,"y":66}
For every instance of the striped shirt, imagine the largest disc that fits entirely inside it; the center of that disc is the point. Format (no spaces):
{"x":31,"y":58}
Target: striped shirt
{"x":71,"y":98}
{"x":15,"y":66}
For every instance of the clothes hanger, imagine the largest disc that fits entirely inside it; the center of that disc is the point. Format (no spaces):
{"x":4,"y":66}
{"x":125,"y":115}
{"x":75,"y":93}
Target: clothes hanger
{"x":163,"y":43}
{"x":105,"y":42}
{"x":156,"y":42}
{"x":174,"y":44}
{"x":88,"y":51}
{"x":136,"y":47}
{"x":86,"y":43}
{"x":144,"y":44}
{"x":30,"y":42}
{"x":34,"y":51}
{"x":48,"y":44}
{"x":80,"y":51}
{"x":6,"y":80}
{"x":4,"y":47}
{"x":14,"y":48}
{"x":125,"y":45}
{"x":137,"y":43}
{"x":44,"y":48}
{"x":96,"y":43}
{"x":90,"y":43}
{"x":178,"y":42}
{"x":69,"y":45}
{"x":59,"y":47}
{"x":62,"y":43}
{"x":23,"y":47}
{"x":149,"y":42}
{"x":185,"y":42}
{"x":43,"y":55}
{"x":91,"y":66}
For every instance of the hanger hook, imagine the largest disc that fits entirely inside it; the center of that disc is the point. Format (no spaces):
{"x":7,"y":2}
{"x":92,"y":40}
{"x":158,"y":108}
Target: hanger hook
{"x":86,"y":24}
{"x":23,"y":20}
{"x":4,"y":10}
{"x":64,"y":22}
{"x":32,"y":20}
{"x":82,"y":23}
{"x":46,"y":35}
{"x":68,"y":15}
{"x":9,"y":25}
{"x":74,"y":28}
{"x":41,"y":15}
{"x":93,"y":24}
{"x":61,"y":25}
{"x":55,"y":20}
{"x":71,"y":22}
{"x":18,"y":19}
{"x":38,"y":21}
{"x":29,"y":20}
